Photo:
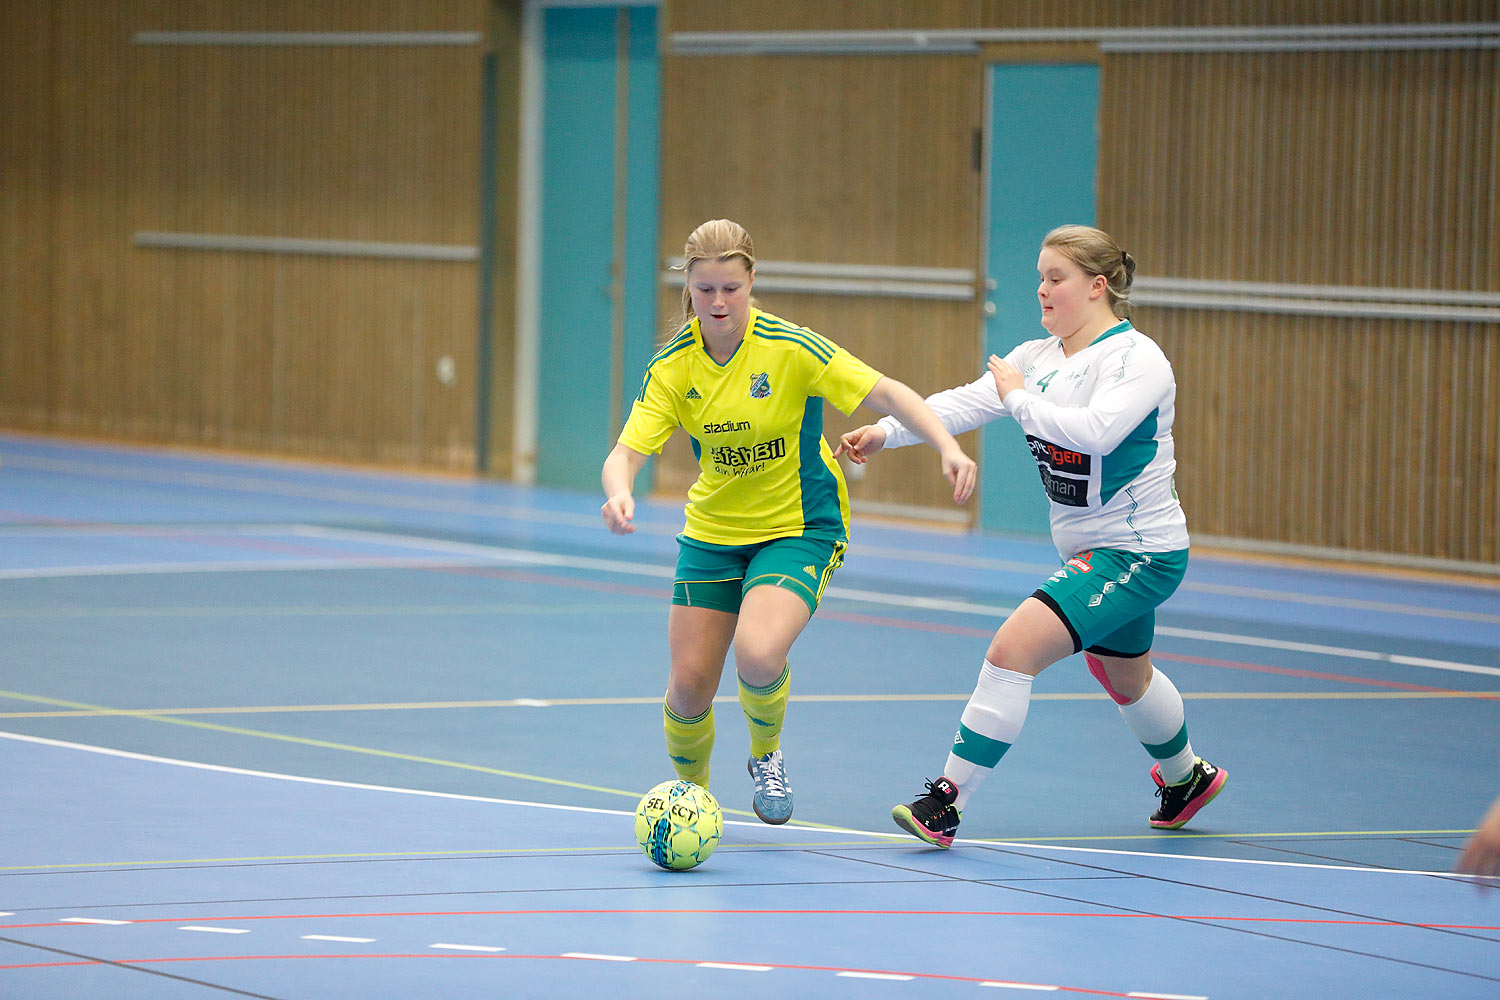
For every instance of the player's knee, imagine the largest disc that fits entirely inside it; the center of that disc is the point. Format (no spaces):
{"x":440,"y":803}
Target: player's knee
{"x":690,"y":691}
{"x":758,"y":661}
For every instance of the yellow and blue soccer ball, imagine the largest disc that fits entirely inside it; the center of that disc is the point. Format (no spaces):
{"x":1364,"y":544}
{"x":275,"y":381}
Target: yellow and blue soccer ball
{"x":678,"y":824}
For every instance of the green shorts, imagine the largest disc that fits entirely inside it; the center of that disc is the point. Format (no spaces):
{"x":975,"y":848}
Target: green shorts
{"x":719,"y":576}
{"x":1108,"y":597}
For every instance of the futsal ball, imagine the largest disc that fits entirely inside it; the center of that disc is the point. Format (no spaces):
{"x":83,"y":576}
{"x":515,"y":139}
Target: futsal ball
{"x":678,"y":824}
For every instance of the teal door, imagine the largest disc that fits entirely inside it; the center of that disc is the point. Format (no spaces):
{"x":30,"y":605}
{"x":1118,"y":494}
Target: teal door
{"x":1043,"y":155}
{"x":597,"y":268}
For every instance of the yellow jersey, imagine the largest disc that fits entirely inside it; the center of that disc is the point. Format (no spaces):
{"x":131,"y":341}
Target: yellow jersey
{"x":756,"y":423}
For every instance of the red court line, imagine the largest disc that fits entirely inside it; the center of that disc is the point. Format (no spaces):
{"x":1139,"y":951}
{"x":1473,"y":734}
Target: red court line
{"x":666,"y":911}
{"x":1317,"y":675}
{"x":860,"y":619}
{"x":524,"y":576}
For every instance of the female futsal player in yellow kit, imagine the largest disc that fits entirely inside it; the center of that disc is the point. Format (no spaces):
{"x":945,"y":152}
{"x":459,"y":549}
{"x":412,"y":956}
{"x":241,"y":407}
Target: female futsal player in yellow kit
{"x":768,"y":518}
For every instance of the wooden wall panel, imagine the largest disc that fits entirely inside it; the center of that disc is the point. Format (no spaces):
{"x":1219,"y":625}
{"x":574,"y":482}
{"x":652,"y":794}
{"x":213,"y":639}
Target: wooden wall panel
{"x":27,"y":204}
{"x":97,"y":371}
{"x":1221,"y":165}
{"x":320,"y":15}
{"x":1372,"y":168}
{"x":344,"y":142}
{"x":323,"y":356}
{"x":882,"y":175}
{"x":1378,"y":436}
{"x":879,"y":169}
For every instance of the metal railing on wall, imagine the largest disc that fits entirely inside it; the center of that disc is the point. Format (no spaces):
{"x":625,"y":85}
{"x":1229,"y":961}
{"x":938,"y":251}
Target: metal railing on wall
{"x":1271,"y":38}
{"x":952,"y":283}
{"x":292,"y":245}
{"x":1318,"y":300}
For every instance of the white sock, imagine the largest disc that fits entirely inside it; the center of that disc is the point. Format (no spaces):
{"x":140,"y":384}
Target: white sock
{"x":1157,"y":719}
{"x":990,"y":723}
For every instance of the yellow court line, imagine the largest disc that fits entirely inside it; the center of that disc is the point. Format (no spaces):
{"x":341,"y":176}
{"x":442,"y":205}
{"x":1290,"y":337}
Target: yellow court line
{"x":406,"y":706}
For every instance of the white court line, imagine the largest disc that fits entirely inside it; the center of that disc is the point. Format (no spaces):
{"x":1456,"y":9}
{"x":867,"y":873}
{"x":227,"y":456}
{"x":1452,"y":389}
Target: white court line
{"x":994,"y":612}
{"x":476,"y":554}
{"x":222,"y":769}
{"x":850,"y":974}
{"x":733,"y":967}
{"x":335,"y":937}
{"x":893,"y":838}
{"x":1018,"y":986}
{"x":598,"y":958}
{"x":215,"y":930}
{"x":238,"y":566}
{"x":466,"y":947}
{"x":88,"y":920}
{"x":375,"y":496}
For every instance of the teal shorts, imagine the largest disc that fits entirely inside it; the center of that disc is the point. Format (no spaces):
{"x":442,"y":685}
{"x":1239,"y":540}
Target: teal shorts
{"x":719,"y":576}
{"x":1108,"y":597}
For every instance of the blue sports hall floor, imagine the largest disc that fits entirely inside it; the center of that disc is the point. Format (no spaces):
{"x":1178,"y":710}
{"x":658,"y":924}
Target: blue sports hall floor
{"x":296,"y":731}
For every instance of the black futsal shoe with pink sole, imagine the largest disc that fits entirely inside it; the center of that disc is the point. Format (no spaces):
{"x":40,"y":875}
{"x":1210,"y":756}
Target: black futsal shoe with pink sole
{"x":1181,"y":802}
{"x":933,"y":818}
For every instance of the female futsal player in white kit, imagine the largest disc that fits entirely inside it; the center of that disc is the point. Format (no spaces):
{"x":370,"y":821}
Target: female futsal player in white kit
{"x":1096,"y":401}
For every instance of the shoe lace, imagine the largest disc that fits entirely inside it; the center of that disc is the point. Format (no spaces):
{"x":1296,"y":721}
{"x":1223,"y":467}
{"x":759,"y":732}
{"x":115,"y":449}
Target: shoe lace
{"x":931,"y":805}
{"x":1173,"y":796}
{"x":769,"y":776}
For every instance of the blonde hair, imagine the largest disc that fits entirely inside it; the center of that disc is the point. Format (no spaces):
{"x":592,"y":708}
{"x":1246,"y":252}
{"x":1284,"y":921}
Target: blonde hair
{"x":716,"y":239}
{"x":1096,"y":252}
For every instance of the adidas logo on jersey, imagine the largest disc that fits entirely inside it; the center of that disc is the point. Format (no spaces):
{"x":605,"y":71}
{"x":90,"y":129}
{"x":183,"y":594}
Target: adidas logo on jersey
{"x":810,"y":571}
{"x":692,"y":393}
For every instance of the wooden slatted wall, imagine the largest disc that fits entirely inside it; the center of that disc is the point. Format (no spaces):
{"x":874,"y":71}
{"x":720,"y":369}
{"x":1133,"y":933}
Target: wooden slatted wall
{"x":296,"y":354}
{"x":1352,"y":168}
{"x":883,"y":175}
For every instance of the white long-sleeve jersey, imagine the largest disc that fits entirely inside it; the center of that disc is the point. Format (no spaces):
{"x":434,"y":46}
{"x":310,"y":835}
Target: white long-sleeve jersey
{"x":1099,"y":425}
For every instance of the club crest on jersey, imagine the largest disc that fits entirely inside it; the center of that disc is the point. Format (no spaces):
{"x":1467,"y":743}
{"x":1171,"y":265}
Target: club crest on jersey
{"x":760,"y":386}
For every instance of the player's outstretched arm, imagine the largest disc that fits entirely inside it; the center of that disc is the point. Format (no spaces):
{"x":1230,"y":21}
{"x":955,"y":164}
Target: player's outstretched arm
{"x":900,"y":401}
{"x":618,"y":479}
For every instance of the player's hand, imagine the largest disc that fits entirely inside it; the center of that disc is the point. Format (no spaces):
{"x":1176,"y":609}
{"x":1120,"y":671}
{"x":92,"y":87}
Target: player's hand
{"x":619,"y":513}
{"x":961,"y":471}
{"x":860,"y":443}
{"x":1481,"y":855}
{"x":1007,"y":376}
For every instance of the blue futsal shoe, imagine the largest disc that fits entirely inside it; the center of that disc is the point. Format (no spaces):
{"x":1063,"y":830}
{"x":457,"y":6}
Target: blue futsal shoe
{"x":773,"y":796}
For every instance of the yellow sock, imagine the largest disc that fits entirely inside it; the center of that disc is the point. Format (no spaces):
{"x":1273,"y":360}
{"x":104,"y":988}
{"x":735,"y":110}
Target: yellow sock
{"x":690,"y":743}
{"x":765,"y":710}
